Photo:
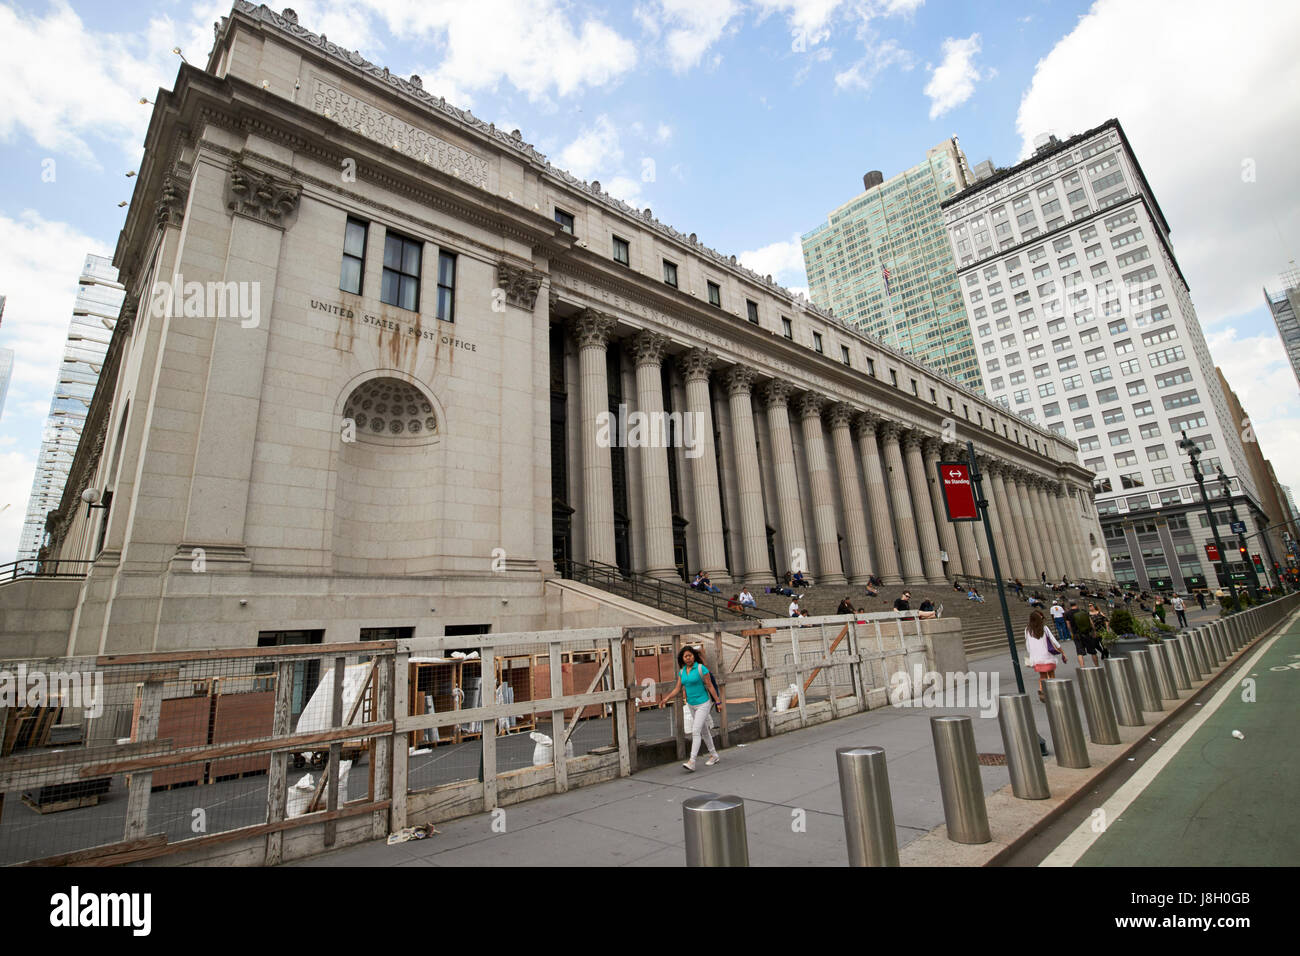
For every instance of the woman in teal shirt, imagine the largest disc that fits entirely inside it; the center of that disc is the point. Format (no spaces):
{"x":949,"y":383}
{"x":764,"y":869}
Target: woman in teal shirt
{"x":692,"y":676}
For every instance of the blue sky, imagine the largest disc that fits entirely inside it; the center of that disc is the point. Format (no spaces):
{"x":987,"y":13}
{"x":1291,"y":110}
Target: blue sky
{"x":744,"y":121}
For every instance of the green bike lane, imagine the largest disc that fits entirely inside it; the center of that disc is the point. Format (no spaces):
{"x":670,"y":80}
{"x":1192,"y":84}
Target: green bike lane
{"x":1221,"y":800}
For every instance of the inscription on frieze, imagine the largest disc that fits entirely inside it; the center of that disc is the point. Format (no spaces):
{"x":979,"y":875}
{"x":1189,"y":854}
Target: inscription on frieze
{"x":374,"y":124}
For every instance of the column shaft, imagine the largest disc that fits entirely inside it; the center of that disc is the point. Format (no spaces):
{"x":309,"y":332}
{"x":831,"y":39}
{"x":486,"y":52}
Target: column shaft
{"x":592,"y":330}
{"x":656,"y":500}
{"x":829,"y":569}
{"x":855,"y":519}
{"x":704,"y":464}
{"x":882,"y":530}
{"x":909,"y":549}
{"x":753,"y":525}
{"x":947,"y":529}
{"x":928,"y":536}
{"x":1010,"y":540}
{"x":787,"y":479}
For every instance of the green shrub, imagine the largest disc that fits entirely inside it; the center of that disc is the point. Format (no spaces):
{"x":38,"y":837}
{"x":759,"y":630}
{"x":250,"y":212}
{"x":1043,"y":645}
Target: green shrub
{"x":1121,"y":622}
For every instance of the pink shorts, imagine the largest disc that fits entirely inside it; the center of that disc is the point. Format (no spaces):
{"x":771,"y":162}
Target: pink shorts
{"x":1044,"y":668}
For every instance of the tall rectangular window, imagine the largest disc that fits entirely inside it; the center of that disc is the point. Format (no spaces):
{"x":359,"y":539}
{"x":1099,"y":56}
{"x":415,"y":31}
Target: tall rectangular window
{"x":401,"y":279}
{"x":751,"y":311}
{"x":670,"y":273}
{"x":844,"y":355}
{"x":565,"y":220}
{"x":787,"y":329}
{"x":446,"y":287}
{"x":354,"y":256}
{"x":817,"y":341}
{"x":715,"y":294}
{"x":622,"y":251}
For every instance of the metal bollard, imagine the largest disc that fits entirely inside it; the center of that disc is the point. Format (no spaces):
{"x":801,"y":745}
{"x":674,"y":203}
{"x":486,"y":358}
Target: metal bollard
{"x":868,"y":806}
{"x":715,"y":831}
{"x":1162,"y":656}
{"x":1123,"y":691}
{"x":1020,"y":741}
{"x":1144,"y":673}
{"x":1098,"y":706}
{"x":1205,"y":661}
{"x":1067,"y":729}
{"x":959,"y":780}
{"x":1221,"y":643}
{"x":1182,"y":675}
{"x":1208,"y":651}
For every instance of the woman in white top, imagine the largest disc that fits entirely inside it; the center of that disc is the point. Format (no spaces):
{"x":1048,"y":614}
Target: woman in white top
{"x":1041,"y":646}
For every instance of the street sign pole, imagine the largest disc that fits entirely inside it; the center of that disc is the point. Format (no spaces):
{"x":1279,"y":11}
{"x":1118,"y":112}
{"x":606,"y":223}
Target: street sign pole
{"x":977,"y":483}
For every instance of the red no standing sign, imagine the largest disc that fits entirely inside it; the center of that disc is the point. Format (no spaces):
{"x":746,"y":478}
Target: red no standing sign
{"x":958,"y":492}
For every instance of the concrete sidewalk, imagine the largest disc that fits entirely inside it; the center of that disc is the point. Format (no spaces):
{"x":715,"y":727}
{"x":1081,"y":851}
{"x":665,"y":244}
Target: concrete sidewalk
{"x":637,"y":821}
{"x":791,"y":793}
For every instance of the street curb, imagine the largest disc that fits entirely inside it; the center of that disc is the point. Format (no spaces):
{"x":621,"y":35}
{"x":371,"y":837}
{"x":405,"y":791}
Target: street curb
{"x":1075,"y":798}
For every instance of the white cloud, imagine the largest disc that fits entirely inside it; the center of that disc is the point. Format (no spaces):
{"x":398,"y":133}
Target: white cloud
{"x":65,"y":85}
{"x":1214,"y":92}
{"x":596,"y":150}
{"x":809,"y":20}
{"x":627,"y":189}
{"x":16,"y":471}
{"x":952,"y":82}
{"x":664,"y":133}
{"x":862,"y":74}
{"x":688,"y":27}
{"x":1257,"y":369}
{"x":535,"y":45}
{"x":783,"y":261}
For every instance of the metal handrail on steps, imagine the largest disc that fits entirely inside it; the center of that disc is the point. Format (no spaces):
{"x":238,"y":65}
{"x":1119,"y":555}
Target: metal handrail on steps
{"x":665,"y":595}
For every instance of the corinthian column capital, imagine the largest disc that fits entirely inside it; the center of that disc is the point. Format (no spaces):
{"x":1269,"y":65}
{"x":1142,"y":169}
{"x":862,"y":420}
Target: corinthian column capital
{"x":592,"y":329}
{"x":739,"y":379}
{"x":696,"y":364}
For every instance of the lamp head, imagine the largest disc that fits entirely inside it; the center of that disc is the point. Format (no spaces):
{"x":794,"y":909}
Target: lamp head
{"x":90,"y":496}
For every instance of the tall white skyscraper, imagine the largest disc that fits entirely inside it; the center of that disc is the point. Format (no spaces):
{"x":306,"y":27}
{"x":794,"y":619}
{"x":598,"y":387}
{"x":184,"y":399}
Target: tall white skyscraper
{"x":1083,"y":323}
{"x":1284,"y":302}
{"x":99,"y":299}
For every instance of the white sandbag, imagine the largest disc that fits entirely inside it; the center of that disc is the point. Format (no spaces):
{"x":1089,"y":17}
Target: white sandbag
{"x":544,"y":752}
{"x":300,"y":794}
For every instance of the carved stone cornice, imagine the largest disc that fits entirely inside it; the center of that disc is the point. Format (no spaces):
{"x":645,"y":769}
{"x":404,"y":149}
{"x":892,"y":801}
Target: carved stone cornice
{"x":649,"y":348}
{"x":170,"y":208}
{"x":258,"y":195}
{"x":521,"y":285}
{"x":841,"y":415}
{"x":696,"y":364}
{"x":126,"y":317}
{"x":739,"y":379}
{"x":776,"y":393}
{"x":811,"y":405}
{"x":592,"y":329}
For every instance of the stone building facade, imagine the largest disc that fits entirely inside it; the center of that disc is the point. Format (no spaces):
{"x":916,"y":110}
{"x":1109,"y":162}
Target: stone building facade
{"x":363,"y":379}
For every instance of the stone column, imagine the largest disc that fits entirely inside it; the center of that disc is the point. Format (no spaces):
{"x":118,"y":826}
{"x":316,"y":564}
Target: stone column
{"x":1009,"y":541}
{"x":882,"y":530}
{"x":656,"y":501}
{"x":829,"y":568}
{"x":987,"y":467}
{"x":1053,"y":548}
{"x":1056,"y":503}
{"x":855,"y":519}
{"x":909,"y":549}
{"x":753,"y":526}
{"x":970,"y":555}
{"x":1030,"y":548}
{"x":695,"y":366}
{"x":592,"y":330}
{"x":787,"y":480}
{"x":931,"y":449}
{"x":927,"y":535}
{"x":1042,"y":531}
{"x":1076,"y":521}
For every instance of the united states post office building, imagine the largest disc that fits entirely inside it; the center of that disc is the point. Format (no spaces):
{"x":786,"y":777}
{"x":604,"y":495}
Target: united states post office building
{"x":356,"y":390}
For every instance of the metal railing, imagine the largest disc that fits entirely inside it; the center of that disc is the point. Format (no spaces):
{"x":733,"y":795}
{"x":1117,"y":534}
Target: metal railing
{"x":670,"y":596}
{"x":38,"y":568}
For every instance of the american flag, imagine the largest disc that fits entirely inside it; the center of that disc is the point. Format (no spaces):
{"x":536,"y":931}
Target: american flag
{"x":884,"y":271}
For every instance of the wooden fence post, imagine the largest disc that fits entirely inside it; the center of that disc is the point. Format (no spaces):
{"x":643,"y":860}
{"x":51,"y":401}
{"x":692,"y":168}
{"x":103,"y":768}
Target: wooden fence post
{"x":277,"y":782}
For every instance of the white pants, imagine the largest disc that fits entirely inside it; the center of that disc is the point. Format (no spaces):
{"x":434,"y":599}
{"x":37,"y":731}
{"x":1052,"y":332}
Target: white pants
{"x":700,"y":723}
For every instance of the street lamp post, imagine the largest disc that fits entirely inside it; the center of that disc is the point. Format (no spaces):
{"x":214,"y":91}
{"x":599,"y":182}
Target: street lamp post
{"x":1193,"y":452}
{"x":1241,"y":538}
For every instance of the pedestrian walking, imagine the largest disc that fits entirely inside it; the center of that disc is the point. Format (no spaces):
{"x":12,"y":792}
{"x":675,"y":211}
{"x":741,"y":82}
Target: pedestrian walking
{"x":1180,"y":610}
{"x":700,"y":698}
{"x":1085,"y":634}
{"x":1042,"y":648}
{"x":1200,"y":599}
{"x":1058,"y":619}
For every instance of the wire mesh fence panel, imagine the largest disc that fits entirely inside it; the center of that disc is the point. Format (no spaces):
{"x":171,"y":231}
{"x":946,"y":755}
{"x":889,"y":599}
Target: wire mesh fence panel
{"x":61,"y":818}
{"x":586,"y":667}
{"x":521,"y":680}
{"x":444,"y":757}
